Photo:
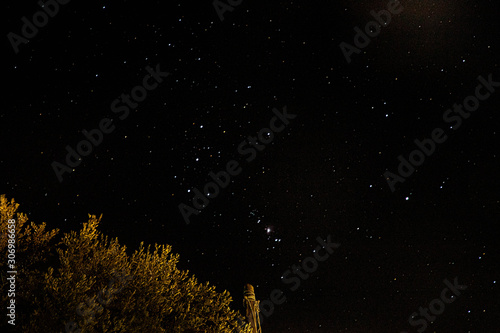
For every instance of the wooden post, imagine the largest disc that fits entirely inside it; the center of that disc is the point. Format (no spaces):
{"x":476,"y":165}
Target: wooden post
{"x":252,"y":308}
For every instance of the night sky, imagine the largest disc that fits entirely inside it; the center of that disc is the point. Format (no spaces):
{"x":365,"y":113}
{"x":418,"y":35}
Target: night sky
{"x":331,"y":171}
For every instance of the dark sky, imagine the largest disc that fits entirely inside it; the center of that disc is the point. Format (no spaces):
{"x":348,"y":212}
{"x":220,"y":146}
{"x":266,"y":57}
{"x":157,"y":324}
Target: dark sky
{"x":323,"y":174}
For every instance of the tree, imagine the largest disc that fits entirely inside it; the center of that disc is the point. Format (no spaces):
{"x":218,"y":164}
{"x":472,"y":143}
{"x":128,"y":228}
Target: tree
{"x":87,"y":282}
{"x":30,"y":250}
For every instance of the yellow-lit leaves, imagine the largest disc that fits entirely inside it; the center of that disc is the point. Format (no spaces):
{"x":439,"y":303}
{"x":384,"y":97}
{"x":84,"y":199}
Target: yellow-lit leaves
{"x":93,"y":282}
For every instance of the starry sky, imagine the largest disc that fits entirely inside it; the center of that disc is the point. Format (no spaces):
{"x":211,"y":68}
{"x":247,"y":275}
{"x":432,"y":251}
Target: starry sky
{"x":324,"y":174}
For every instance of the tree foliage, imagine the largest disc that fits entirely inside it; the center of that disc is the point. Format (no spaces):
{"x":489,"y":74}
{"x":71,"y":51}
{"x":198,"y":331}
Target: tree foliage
{"x":85,"y":282}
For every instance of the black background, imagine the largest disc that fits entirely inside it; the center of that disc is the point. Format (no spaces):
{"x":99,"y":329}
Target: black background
{"x":323,"y":175}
